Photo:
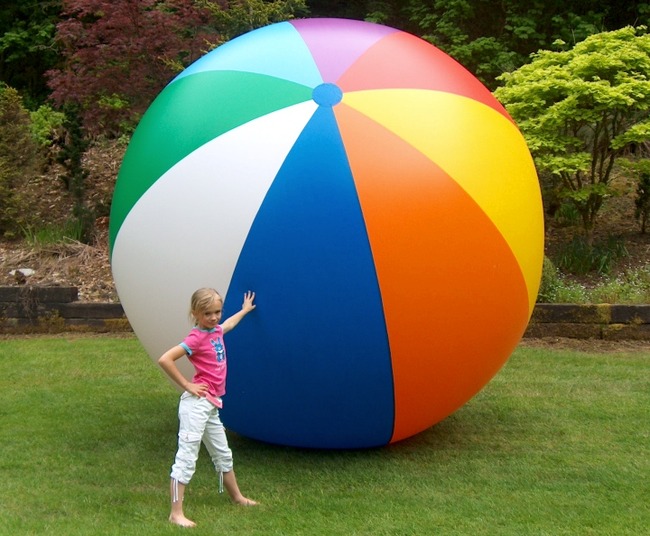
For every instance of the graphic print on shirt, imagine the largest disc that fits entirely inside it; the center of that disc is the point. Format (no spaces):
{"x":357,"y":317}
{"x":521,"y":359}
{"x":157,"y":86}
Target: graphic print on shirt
{"x":218,"y":349}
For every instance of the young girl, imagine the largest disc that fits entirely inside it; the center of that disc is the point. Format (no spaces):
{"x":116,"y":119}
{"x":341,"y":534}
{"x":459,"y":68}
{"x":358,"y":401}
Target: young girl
{"x":198,"y":409}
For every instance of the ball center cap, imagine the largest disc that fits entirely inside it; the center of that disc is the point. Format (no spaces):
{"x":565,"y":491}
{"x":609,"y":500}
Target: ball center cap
{"x":327,"y":94}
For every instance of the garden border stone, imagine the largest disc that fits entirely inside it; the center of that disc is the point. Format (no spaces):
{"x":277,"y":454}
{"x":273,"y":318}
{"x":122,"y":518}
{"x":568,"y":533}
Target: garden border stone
{"x":34,"y":309}
{"x":601,"y":321}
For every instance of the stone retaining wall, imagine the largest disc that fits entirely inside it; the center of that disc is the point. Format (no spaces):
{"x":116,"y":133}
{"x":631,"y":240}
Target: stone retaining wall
{"x":29,"y":309}
{"x":603,"y":321}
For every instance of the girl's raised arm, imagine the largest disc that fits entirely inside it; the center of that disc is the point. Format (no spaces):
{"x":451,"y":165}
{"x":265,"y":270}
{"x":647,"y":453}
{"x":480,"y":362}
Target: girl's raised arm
{"x":246,"y":308}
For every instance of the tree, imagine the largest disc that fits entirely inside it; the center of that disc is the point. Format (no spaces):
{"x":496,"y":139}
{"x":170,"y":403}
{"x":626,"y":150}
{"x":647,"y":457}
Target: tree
{"x":580,"y":109}
{"x":490,"y":38}
{"x":236,"y":17}
{"x":119,"y":54}
{"x":389,"y":12}
{"x":70,"y":157}
{"x":26,"y":47}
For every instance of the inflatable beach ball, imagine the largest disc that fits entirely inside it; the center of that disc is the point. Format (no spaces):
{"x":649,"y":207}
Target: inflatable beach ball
{"x":377,"y":198}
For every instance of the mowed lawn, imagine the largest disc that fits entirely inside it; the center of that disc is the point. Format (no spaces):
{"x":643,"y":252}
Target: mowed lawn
{"x":557,"y":443}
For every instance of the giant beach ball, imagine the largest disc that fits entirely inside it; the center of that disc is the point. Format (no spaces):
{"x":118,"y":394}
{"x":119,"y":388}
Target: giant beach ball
{"x":371,"y":191}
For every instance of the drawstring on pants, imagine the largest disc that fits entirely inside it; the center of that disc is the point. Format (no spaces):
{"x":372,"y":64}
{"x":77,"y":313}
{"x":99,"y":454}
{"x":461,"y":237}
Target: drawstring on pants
{"x":174,"y":490}
{"x":220,"y":481}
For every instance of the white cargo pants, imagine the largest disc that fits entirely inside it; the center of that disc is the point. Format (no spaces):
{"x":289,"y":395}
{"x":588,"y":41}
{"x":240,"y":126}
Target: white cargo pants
{"x":199,"y":420}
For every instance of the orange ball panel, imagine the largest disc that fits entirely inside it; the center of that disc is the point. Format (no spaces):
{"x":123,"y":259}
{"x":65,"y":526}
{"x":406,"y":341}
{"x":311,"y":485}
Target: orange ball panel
{"x":438,"y":257}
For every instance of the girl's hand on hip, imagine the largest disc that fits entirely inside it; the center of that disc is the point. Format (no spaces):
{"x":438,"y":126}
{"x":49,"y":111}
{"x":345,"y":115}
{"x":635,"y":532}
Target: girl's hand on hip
{"x":197,"y":389}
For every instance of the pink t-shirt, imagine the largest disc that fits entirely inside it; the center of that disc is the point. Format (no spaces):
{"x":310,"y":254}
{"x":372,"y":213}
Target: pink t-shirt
{"x":207,"y":352}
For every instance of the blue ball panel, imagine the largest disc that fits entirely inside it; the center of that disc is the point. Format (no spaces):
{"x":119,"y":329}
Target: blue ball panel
{"x":277,"y":50}
{"x":332,"y":387}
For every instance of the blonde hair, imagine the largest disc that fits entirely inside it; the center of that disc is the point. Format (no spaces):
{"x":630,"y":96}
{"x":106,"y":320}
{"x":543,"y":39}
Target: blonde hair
{"x":202,"y":299}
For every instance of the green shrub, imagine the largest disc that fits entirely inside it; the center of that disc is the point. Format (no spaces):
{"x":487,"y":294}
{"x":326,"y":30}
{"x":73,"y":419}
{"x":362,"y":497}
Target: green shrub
{"x":17,"y":157}
{"x":52,"y":234}
{"x":571,"y":292}
{"x":580,"y":258}
{"x":45,"y":122}
{"x":9,"y":201}
{"x":567,"y":214}
{"x":631,"y":287}
{"x":549,"y":283}
{"x":555,"y":288}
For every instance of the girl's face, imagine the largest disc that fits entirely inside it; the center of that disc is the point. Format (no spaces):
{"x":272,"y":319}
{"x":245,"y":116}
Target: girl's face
{"x":210,"y":317}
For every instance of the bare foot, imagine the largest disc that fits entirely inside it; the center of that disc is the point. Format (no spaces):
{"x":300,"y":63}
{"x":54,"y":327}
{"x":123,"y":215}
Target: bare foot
{"x":246,"y":502}
{"x":181,"y":521}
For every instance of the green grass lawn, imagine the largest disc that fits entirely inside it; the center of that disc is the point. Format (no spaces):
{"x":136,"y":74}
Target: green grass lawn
{"x":557,"y":444}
